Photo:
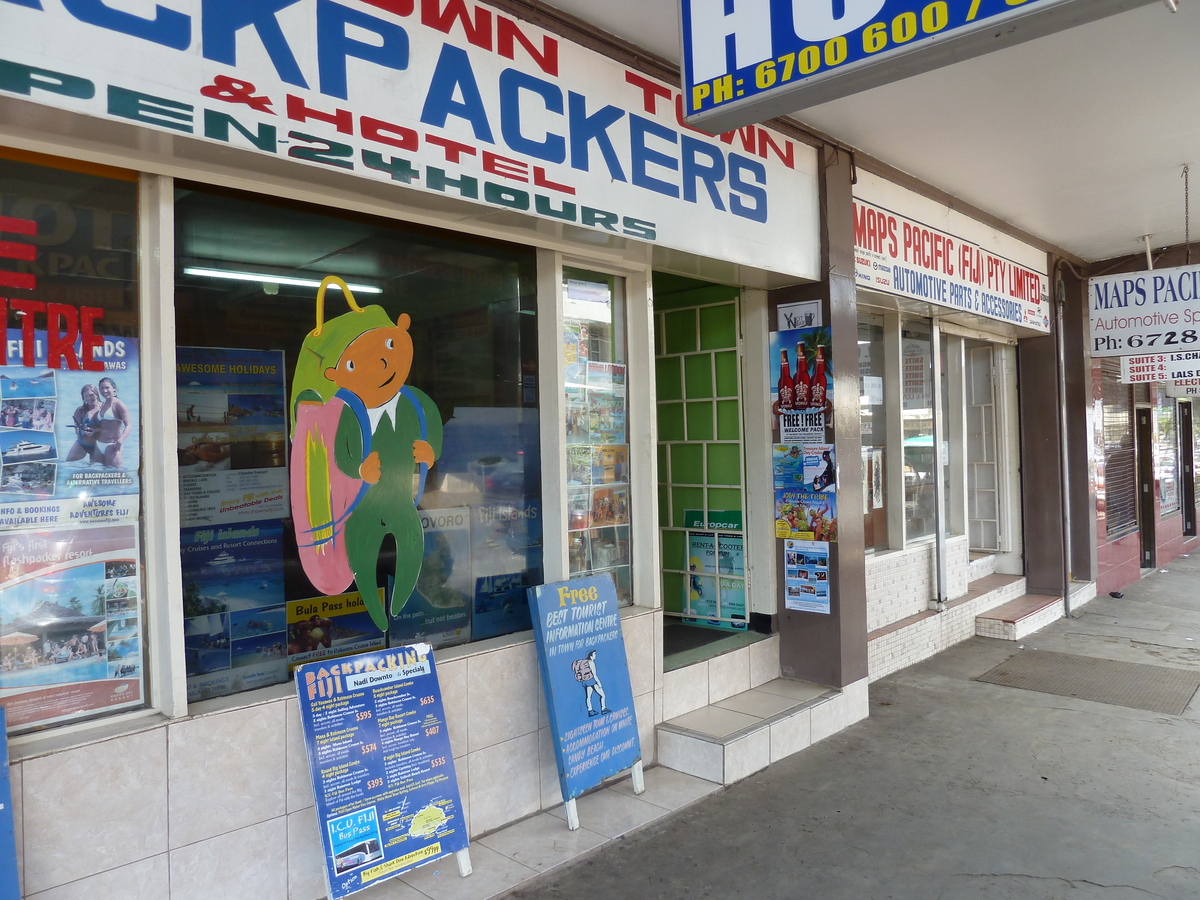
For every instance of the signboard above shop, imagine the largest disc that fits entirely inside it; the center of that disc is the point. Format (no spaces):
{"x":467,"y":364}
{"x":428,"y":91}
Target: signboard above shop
{"x":747,"y":61}
{"x":1139,"y":313}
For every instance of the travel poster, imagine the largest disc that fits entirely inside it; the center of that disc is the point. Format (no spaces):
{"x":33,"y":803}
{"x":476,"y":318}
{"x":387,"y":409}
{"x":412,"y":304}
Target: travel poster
{"x":70,"y":442}
{"x":581,"y":651}
{"x":329,"y":627}
{"x":438,"y":611}
{"x":716,"y":585}
{"x":808,"y":467}
{"x":806,"y":576}
{"x":805,"y":515}
{"x":235,"y":628}
{"x":506,"y":546}
{"x":71,"y":628}
{"x":232,"y":421}
{"x":805,"y":423}
{"x":382,"y":770}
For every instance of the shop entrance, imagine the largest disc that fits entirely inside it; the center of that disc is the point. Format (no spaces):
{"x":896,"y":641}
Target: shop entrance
{"x":1144,"y":449}
{"x":1187,"y":465}
{"x":701,"y":479}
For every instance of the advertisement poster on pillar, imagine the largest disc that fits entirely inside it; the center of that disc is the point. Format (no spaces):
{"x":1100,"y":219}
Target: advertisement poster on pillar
{"x":802,"y":394}
{"x":70,"y":623}
{"x":806,"y":576}
{"x":898,"y":255}
{"x":1138,"y":313}
{"x":69,"y":426}
{"x":451,"y":98}
{"x":232,"y":424}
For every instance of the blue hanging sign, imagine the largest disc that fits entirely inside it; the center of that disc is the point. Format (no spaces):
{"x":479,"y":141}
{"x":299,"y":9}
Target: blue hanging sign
{"x":382,"y":770}
{"x":747,"y":61}
{"x":586,"y":677}
{"x":10,"y":887}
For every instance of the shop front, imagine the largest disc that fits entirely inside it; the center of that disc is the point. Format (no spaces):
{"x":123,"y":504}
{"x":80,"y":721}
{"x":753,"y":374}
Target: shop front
{"x":349,"y":310}
{"x":944,"y":305}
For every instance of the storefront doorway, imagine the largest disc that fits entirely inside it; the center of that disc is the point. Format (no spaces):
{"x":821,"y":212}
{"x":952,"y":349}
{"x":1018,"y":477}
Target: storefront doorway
{"x":1144,"y":449}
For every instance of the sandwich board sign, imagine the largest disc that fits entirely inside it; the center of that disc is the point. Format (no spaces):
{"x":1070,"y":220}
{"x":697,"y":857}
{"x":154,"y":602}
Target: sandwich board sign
{"x":382,"y":770}
{"x":585,"y":673}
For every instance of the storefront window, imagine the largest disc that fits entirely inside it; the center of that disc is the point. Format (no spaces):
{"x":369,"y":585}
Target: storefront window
{"x":598,"y":506}
{"x":1116,"y":488}
{"x":1166,"y":458}
{"x":71,"y":607}
{"x":920,"y":510}
{"x":355,"y":471}
{"x":873,"y":425}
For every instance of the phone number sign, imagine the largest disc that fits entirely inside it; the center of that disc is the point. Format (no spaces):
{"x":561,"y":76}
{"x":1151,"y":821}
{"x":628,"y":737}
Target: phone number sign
{"x":1139,"y":313}
{"x":756,"y":59}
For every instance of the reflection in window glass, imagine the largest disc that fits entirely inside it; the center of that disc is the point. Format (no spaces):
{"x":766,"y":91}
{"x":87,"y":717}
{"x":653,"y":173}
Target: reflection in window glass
{"x":597,"y":428}
{"x":297,"y":491}
{"x":873,"y":425}
{"x":917,"y":416}
{"x":1166,"y":458}
{"x":71,"y":620}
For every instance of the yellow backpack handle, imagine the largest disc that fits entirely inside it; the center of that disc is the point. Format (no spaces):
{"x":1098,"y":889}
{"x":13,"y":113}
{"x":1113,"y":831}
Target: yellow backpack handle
{"x":345,"y":288}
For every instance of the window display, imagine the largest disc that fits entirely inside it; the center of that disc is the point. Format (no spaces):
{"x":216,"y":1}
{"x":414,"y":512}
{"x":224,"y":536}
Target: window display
{"x":358,"y":437}
{"x":71,"y":622}
{"x":597,"y":444}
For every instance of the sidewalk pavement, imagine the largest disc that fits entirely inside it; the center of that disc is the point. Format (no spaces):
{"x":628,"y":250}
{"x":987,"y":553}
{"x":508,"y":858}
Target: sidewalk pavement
{"x":954,"y":788}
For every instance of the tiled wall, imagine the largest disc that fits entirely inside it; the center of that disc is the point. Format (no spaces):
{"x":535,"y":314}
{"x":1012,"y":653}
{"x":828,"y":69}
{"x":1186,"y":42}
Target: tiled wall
{"x":901,"y":583}
{"x":722,"y":676}
{"x":219,"y":807}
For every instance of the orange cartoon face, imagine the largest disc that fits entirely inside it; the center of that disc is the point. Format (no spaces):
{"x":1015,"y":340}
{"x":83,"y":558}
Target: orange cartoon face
{"x":375,"y":364}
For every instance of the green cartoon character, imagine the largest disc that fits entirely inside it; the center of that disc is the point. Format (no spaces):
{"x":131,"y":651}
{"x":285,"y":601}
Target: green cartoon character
{"x":363,"y":443}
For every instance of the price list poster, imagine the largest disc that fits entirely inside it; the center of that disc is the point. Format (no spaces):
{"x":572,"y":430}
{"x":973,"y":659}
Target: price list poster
{"x":379,"y":754}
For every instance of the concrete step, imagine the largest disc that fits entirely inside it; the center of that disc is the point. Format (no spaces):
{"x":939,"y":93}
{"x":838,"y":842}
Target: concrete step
{"x":728,"y":740}
{"x":1020,"y":617}
{"x":901,"y":644}
{"x":981,"y":564}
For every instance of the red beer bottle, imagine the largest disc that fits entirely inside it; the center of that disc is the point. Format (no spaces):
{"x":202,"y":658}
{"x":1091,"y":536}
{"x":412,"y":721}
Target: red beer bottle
{"x":819,"y":385}
{"x":787,"y":397}
{"x":801,"y":386}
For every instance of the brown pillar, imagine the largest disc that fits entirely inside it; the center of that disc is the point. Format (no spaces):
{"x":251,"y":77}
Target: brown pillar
{"x":832,"y":649}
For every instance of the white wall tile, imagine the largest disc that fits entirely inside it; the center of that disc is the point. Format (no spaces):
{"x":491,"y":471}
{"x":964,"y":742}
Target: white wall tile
{"x":452,"y":678}
{"x":790,"y":735}
{"x":728,"y":674}
{"x":248,"y":863}
{"x":305,"y":857}
{"x":764,"y":661}
{"x":638,"y":632}
{"x":299,"y":778}
{"x":227,"y":771}
{"x":95,"y":807}
{"x":504,"y":782}
{"x":502,"y":696}
{"x":747,"y":755}
{"x":692,"y":756}
{"x":684,"y":690}
{"x":146,"y":879}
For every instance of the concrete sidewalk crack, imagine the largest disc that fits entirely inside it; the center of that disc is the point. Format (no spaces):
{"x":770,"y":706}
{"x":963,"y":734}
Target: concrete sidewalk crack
{"x":1070,"y":882}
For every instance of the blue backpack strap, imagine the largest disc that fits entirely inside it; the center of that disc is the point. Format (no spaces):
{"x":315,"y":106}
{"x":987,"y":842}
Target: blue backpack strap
{"x":412,"y":398}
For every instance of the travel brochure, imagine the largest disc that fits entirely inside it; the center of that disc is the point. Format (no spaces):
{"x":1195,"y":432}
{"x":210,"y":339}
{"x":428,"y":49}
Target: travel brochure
{"x":232,"y":422}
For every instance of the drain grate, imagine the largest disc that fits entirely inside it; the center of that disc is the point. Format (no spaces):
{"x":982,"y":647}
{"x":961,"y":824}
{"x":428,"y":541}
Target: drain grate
{"x":1136,"y":685}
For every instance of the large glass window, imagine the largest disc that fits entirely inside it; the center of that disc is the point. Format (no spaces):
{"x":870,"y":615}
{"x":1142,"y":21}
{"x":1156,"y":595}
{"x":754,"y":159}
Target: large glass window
{"x":1166,"y":457}
{"x":598,"y":506}
{"x":920,"y":511}
{"x":1116,"y":488}
{"x":355,"y":471}
{"x":71,"y":603}
{"x":873,"y":425}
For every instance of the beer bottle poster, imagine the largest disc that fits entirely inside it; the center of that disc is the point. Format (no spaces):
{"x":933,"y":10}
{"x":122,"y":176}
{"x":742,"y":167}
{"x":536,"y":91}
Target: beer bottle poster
{"x":801,"y":412}
{"x":379,"y":755}
{"x":585,"y":674}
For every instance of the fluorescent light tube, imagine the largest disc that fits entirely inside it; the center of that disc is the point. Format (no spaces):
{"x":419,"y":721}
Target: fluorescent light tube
{"x":275,"y":279}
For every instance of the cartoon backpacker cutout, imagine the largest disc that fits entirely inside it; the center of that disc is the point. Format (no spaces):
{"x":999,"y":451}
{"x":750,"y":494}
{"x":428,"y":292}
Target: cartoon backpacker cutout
{"x":362,"y":444}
